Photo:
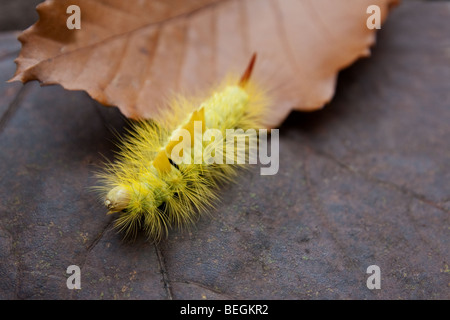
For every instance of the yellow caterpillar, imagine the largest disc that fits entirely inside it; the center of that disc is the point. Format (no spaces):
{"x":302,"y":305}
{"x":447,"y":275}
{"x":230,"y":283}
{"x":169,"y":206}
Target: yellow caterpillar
{"x":156,"y":182}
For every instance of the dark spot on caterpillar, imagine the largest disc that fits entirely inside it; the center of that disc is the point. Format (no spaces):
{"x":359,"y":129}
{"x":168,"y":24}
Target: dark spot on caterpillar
{"x":174,"y":164}
{"x":162,"y":207}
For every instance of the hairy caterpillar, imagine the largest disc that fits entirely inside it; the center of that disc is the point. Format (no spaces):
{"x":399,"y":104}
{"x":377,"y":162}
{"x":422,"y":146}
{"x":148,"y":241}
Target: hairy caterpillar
{"x":150,"y":190}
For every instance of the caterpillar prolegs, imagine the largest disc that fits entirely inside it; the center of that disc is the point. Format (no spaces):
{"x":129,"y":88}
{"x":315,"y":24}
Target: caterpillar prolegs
{"x":166,"y":174}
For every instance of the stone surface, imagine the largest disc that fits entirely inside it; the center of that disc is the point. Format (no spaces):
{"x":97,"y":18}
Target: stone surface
{"x":18,"y":14}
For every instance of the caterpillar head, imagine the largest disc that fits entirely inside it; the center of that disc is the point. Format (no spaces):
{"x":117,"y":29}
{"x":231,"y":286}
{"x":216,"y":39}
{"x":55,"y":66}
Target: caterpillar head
{"x":117,"y":199}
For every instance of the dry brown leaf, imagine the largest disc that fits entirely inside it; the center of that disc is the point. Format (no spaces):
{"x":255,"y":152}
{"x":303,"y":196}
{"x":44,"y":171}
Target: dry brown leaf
{"x":134,"y":53}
